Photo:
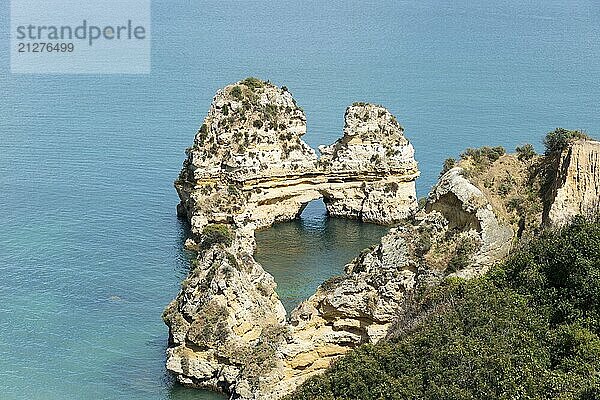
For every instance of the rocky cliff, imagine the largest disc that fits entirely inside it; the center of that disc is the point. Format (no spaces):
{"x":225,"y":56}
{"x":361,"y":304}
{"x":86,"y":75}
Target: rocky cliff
{"x":576,"y":183}
{"x":249,"y":168}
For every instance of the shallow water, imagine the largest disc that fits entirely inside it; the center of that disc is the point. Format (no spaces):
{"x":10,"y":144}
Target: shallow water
{"x":314,"y":249}
{"x":90,"y":248}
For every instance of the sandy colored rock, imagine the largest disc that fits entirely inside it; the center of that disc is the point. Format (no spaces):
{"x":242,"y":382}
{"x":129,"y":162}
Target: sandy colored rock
{"x":576,"y":189}
{"x":249,"y":164}
{"x":249,"y":168}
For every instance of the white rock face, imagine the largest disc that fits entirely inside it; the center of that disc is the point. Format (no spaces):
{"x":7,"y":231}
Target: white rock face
{"x":466,"y":208}
{"x":577,"y":183}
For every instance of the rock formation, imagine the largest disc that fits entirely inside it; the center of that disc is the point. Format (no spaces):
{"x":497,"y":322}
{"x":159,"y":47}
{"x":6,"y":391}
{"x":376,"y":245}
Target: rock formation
{"x":249,"y":168}
{"x":466,"y":208}
{"x":576,"y":188}
{"x":249,"y":164}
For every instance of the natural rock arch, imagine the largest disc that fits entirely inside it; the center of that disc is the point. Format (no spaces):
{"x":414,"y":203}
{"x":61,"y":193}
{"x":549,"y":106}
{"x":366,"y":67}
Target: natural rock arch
{"x":249,"y":165}
{"x":247,"y":169}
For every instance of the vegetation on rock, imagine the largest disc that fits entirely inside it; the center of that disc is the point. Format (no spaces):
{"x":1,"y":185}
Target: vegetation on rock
{"x":525,"y":152}
{"x":236,"y":92}
{"x":558,"y":140}
{"x":483,"y":156}
{"x":449,"y":163}
{"x":216,"y":234}
{"x":253,"y":83}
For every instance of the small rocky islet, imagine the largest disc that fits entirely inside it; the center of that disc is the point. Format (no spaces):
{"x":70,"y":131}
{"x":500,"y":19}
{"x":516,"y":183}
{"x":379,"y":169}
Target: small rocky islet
{"x":249,"y":168}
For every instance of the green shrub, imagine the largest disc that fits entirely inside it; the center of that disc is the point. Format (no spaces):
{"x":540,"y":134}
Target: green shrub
{"x":237,"y":93}
{"x":449,"y":163}
{"x":516,"y":204}
{"x":423,"y":243}
{"x":233,"y":190}
{"x":202,"y":134}
{"x":271,"y":112}
{"x":484,"y":156}
{"x":560,"y":272}
{"x":474,"y":347}
{"x":463,"y":254}
{"x":558,"y":140}
{"x":253,"y":83}
{"x":485,"y":153}
{"x":216,"y":234}
{"x":210,"y":326}
{"x":507,"y":184}
{"x":505,"y":187}
{"x":525,"y":152}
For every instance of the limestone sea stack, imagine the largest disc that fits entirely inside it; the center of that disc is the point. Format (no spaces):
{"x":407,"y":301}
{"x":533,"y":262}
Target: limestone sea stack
{"x":249,"y":165}
{"x":247,"y":169}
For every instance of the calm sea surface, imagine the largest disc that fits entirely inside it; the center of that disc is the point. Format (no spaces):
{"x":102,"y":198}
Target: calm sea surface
{"x":90,"y":248}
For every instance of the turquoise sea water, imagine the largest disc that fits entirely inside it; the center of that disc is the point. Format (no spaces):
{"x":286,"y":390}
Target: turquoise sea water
{"x":315,"y":249}
{"x":90,"y":248}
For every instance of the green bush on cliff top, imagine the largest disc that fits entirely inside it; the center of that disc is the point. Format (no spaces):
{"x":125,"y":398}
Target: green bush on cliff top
{"x":484,"y":154}
{"x":253,"y":83}
{"x":216,"y":234}
{"x":558,"y":140}
{"x":525,"y":152}
{"x":529,"y":329}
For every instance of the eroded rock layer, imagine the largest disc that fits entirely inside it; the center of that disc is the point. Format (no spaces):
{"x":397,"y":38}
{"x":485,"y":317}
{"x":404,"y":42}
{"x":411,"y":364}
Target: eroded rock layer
{"x":576,"y":189}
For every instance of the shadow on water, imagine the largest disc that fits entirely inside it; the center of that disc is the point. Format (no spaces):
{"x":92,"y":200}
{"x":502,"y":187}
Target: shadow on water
{"x":304,"y":253}
{"x":184,"y":257}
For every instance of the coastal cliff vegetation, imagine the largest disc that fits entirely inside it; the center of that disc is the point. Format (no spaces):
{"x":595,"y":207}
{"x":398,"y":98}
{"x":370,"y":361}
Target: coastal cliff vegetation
{"x":528,"y":329}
